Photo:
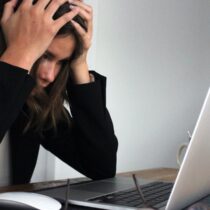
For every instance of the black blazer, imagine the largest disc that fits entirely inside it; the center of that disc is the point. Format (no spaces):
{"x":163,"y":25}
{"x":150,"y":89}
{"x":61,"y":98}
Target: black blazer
{"x":15,"y":86}
{"x":89,"y":145}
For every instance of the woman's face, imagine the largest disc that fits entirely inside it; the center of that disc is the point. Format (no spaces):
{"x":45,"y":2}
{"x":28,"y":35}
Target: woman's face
{"x":59,"y":51}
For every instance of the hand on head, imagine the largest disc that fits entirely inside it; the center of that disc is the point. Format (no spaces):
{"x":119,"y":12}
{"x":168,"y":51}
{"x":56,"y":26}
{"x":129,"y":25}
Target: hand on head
{"x":30,"y":30}
{"x":86,"y":12}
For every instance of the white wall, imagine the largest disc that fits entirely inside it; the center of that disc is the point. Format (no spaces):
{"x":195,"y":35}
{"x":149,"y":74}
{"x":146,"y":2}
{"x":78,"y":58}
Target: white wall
{"x":155,"y":54}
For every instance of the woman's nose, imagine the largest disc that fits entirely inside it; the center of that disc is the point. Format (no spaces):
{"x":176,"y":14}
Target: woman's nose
{"x":50,"y":73}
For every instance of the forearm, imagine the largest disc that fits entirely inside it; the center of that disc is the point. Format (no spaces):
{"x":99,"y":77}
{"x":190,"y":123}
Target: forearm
{"x":89,"y":145}
{"x":15,"y":86}
{"x":80,"y":73}
{"x":97,"y":142}
{"x":17,"y":58}
{"x":88,"y":104}
{"x":99,"y":158}
{"x":93,"y":160}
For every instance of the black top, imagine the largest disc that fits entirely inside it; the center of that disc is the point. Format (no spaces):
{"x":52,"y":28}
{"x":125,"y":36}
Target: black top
{"x":15,"y":86}
{"x":89,"y":145}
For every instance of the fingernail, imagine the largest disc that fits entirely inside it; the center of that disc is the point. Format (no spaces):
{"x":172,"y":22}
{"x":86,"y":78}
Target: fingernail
{"x":75,"y":8}
{"x":72,"y":21}
{"x":72,"y":6}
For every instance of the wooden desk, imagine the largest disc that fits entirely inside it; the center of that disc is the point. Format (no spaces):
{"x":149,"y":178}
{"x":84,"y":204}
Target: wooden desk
{"x":163,"y":174}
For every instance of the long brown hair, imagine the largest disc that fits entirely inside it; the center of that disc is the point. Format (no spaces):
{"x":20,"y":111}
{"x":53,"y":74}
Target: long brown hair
{"x":45,"y":106}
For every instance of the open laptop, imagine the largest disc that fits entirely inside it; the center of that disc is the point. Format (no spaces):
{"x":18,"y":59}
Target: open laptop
{"x":191,"y":184}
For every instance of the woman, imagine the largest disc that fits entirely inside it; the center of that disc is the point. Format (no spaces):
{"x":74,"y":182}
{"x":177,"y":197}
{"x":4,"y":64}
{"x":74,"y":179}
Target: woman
{"x":85,"y":140}
{"x":15,"y":83}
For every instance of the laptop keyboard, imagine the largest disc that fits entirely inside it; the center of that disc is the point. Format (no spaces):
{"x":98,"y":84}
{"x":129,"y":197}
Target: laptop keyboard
{"x":156,"y":194}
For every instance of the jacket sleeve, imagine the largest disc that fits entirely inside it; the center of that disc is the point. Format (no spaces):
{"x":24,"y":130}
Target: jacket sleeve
{"x":90,"y":145}
{"x":15,"y":86}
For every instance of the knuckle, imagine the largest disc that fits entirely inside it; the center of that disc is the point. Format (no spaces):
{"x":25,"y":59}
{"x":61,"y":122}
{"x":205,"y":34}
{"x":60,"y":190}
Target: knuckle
{"x":35,"y":11}
{"x":46,"y":25}
{"x":67,"y":17}
{"x":2,"y":22}
{"x":90,"y":8}
{"x":46,"y":20}
{"x":51,"y":30}
{"x":58,"y":2}
{"x":24,"y":4}
{"x":8,"y":4}
{"x":23,"y":8}
{"x":83,"y":34}
{"x":88,"y":40}
{"x":89,"y":18}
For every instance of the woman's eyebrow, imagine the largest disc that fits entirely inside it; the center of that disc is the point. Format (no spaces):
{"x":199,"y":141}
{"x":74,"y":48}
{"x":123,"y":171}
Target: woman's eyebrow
{"x":52,"y":55}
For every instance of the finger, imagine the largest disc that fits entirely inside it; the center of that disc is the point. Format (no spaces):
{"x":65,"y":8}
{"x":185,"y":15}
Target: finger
{"x":61,"y":21}
{"x":88,"y":20}
{"x":82,"y":5}
{"x":8,"y":10}
{"x":26,"y":3}
{"x":79,"y":28}
{"x":53,"y":6}
{"x":82,"y":13}
{"x":42,"y":4}
{"x":86,"y":12}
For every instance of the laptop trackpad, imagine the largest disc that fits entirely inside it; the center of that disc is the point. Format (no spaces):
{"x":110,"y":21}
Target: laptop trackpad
{"x":92,"y":189}
{"x":103,"y":186}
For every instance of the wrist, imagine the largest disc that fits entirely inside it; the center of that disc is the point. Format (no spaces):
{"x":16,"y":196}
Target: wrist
{"x":19,"y":59}
{"x":80,"y":73}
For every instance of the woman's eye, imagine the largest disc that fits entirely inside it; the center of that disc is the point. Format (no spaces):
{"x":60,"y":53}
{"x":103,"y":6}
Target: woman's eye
{"x":45,"y":56}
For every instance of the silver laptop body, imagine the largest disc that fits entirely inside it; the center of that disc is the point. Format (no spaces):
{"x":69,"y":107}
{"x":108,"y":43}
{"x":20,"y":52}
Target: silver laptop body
{"x":191,"y":184}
